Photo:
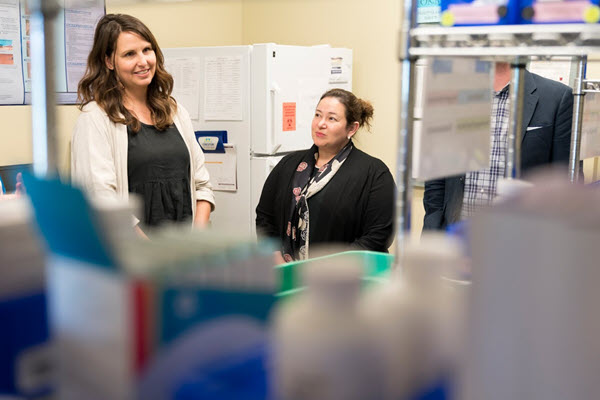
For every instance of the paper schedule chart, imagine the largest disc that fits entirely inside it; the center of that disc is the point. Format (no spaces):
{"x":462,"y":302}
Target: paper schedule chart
{"x":11,"y":76}
{"x":73,"y":36}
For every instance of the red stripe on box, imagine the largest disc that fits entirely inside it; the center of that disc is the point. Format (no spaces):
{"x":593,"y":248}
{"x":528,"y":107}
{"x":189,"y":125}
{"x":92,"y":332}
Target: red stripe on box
{"x":141,"y":325}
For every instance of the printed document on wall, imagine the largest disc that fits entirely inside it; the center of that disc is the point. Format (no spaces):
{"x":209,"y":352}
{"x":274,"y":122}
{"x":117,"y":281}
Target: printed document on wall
{"x":11,"y":72}
{"x":73,"y":25}
{"x":223,"y":88}
{"x":454,"y":134}
{"x":557,"y":69}
{"x":222,"y":168}
{"x":80,"y":20}
{"x":590,"y":127}
{"x":186,"y":78}
{"x":59,"y":51}
{"x":340,"y":70}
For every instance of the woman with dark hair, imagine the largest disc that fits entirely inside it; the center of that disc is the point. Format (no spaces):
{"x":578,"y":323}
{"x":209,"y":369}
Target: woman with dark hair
{"x":132,"y":137}
{"x":332,"y":192}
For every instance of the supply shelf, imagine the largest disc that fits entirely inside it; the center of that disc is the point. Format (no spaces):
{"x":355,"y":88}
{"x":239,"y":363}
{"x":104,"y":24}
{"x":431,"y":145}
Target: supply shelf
{"x":512,"y":43}
{"x":505,"y":40}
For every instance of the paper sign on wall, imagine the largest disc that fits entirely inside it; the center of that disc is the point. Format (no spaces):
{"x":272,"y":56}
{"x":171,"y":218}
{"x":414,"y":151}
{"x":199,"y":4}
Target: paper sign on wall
{"x":558,"y":69}
{"x":340,"y":70}
{"x":223,"y":88}
{"x":222,"y":168}
{"x":289,"y":117}
{"x":186,"y":73}
{"x":73,"y":28}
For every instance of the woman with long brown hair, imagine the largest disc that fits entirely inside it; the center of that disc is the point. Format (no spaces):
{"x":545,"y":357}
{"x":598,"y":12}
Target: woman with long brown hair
{"x":132,"y":137}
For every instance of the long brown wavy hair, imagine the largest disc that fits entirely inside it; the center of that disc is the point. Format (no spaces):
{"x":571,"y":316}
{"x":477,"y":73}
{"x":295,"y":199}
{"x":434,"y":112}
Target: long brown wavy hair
{"x":102,"y":85}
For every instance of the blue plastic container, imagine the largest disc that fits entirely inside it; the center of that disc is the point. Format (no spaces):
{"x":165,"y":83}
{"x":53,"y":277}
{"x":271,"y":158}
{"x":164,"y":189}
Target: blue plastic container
{"x":25,"y":365}
{"x":235,"y":378}
{"x":559,"y":12}
{"x":477,"y":12}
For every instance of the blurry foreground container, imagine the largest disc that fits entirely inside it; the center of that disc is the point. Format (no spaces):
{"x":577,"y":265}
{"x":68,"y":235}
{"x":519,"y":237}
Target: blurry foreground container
{"x":347,"y":328}
{"x":322,"y":348}
{"x":251,"y":374}
{"x":26,"y":363}
{"x":375,"y":266}
{"x":133,"y":318}
{"x":534,"y":321}
{"x":181,"y":316}
{"x":416,"y":319}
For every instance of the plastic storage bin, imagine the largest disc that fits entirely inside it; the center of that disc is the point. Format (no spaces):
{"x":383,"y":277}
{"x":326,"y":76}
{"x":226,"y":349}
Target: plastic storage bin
{"x":557,"y":12}
{"x":377,"y":265}
{"x":474,"y":12}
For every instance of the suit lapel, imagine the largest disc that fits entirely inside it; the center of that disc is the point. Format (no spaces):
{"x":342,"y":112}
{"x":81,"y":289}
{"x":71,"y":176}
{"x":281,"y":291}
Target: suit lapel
{"x":530,"y":99}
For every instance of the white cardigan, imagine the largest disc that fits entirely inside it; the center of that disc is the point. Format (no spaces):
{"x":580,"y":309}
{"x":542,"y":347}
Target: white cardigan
{"x":99,"y":156}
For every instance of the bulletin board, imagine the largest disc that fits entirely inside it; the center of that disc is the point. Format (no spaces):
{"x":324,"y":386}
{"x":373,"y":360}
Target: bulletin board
{"x":74,"y":34}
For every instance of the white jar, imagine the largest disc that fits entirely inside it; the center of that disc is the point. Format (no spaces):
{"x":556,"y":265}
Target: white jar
{"x":400,"y":335}
{"x":321,"y":345}
{"x":412,"y":318}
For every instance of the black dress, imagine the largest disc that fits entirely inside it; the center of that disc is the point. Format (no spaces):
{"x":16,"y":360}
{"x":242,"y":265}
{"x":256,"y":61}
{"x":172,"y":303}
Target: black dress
{"x":158,"y":169}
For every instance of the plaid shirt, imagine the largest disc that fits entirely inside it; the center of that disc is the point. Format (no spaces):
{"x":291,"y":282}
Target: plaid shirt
{"x":480,"y":186}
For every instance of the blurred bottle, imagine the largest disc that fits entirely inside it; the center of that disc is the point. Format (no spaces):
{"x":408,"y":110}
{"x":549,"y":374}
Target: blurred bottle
{"x":322,"y":346}
{"x":534,"y":322}
{"x":416,"y":318}
{"x":510,"y":188}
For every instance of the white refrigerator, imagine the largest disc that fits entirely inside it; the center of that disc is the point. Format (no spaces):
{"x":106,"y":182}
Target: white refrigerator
{"x":264,"y":97}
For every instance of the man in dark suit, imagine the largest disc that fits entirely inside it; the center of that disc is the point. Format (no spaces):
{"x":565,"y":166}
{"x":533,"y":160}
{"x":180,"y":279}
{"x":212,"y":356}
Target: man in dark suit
{"x":547,"y":115}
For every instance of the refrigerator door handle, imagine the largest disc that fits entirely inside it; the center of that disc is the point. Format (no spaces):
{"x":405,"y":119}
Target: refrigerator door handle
{"x":266,"y":155}
{"x":275,"y":90}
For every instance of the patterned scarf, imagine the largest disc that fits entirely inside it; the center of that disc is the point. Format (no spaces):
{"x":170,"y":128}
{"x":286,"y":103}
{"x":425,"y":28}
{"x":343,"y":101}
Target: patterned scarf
{"x":295,"y":246}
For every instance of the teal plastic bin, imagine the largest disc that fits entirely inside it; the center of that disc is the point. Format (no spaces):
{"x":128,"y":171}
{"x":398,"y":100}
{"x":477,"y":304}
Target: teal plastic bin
{"x":376,"y":266}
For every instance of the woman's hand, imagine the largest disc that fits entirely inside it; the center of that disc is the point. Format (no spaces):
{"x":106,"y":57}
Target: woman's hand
{"x":140,"y":232}
{"x":278,"y":257}
{"x":20,"y":186}
{"x":202,"y":217}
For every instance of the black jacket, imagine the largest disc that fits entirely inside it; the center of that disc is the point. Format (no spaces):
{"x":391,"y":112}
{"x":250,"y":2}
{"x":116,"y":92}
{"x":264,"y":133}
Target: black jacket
{"x":357,"y":208}
{"x":547,"y":111}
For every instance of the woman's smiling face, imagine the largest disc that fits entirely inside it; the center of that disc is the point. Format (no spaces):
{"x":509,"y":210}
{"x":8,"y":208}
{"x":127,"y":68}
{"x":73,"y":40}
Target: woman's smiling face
{"x":134,"y":62}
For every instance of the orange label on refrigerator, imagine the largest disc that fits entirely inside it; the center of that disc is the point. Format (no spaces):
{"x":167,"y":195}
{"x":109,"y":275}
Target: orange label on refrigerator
{"x":289,"y":117}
